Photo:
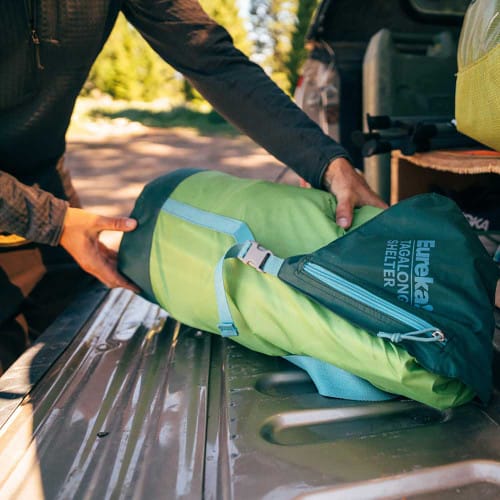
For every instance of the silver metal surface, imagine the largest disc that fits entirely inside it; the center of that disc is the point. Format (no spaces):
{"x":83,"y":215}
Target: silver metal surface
{"x":278,"y":439}
{"x":121,"y":414}
{"x":139,"y":406}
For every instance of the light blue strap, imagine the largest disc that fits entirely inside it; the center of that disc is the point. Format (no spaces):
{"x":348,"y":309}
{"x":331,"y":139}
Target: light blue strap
{"x":226,"y":325}
{"x":246,"y":250}
{"x":330,"y":380}
{"x":271,"y":265}
{"x":234,"y":227}
{"x":334,"y":382}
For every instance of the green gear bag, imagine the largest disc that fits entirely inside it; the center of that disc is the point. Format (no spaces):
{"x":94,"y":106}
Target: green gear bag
{"x":176,"y":261}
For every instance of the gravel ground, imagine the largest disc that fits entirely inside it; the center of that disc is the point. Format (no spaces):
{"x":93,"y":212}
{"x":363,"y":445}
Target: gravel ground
{"x":110,"y":163}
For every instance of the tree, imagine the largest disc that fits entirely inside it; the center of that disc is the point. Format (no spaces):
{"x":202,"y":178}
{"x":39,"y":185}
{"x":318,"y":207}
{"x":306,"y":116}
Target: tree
{"x":129,"y":69}
{"x":226,"y":13}
{"x":279,"y":28}
{"x":298,"y":52}
{"x":272,"y":24}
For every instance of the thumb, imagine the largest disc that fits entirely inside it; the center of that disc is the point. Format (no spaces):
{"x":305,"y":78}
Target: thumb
{"x":343,"y":213}
{"x":123,"y":224}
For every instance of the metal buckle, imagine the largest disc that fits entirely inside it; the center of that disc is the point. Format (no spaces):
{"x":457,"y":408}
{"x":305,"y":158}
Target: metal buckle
{"x":256,"y":256}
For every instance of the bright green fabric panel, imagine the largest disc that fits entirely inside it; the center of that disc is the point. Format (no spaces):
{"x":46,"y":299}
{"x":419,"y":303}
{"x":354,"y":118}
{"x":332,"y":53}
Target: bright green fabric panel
{"x":271,"y":317}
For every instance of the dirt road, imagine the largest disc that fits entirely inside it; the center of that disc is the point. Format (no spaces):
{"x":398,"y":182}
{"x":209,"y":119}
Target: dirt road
{"x":109,"y":167}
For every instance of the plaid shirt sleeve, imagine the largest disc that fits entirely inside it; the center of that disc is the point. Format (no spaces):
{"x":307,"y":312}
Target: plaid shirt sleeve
{"x":30,"y":212}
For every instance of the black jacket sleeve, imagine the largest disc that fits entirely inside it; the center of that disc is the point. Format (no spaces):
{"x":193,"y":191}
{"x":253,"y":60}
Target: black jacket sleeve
{"x":184,"y":36}
{"x":30,"y":212}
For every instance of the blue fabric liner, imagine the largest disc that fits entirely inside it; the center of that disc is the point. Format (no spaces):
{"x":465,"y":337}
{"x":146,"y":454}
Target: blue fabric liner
{"x":334,"y":382}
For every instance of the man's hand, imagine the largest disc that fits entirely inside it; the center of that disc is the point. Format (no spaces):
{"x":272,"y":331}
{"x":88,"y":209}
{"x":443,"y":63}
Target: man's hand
{"x":350,"y":189}
{"x":80,"y":237}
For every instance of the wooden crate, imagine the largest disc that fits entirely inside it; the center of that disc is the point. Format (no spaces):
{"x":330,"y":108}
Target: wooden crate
{"x":451,"y":170}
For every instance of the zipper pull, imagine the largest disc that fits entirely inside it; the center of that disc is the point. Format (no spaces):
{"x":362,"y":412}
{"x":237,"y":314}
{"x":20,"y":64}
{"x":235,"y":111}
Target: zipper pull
{"x":36,"y":43}
{"x":436,"y":336}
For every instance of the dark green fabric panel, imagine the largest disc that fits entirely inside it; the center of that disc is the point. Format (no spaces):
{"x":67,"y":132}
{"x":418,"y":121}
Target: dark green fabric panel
{"x":135,"y":247}
{"x":456,"y":277}
{"x":350,"y":309}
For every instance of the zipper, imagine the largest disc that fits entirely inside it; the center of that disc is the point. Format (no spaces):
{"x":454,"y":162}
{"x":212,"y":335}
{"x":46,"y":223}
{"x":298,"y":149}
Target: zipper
{"x":31,"y":11}
{"x":422,"y":330}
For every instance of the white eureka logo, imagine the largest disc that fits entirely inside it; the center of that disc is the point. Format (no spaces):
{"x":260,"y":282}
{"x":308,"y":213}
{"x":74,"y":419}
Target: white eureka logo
{"x":406,"y":268}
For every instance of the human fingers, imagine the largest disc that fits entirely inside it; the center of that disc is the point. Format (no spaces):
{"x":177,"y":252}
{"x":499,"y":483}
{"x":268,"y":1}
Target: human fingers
{"x":104,"y":268}
{"x":114,"y":278}
{"x":350,"y":189}
{"x":344,"y":210}
{"x":122,"y":224}
{"x":80,"y":238}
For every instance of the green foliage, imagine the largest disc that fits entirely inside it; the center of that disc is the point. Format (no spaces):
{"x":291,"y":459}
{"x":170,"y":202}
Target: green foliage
{"x":298,"y":52}
{"x":129,"y":69}
{"x":272,"y":22}
{"x":204,"y":122}
{"x":279,"y":27}
{"x":226,"y":13}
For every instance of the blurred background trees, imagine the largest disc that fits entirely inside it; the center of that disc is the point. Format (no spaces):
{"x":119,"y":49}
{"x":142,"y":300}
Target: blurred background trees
{"x":270,"y":32}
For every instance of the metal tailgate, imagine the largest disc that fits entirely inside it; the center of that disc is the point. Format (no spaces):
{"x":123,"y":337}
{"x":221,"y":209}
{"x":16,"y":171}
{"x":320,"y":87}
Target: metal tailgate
{"x":139,"y":406}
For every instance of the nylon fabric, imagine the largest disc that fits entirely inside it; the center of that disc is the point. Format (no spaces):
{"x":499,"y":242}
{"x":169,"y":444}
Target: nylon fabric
{"x":329,"y":380}
{"x":235,"y":228}
{"x":402,"y":266}
{"x":334,"y":382}
{"x":232,"y":227}
{"x":480,"y":32}
{"x":273,"y":318}
{"x":477,"y":98}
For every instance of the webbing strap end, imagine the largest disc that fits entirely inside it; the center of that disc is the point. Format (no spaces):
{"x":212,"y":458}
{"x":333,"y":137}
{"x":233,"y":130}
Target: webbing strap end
{"x":228,"y":329}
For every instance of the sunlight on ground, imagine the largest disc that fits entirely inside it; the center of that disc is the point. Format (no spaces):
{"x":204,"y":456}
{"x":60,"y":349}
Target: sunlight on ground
{"x":96,"y":118}
{"x":83,"y":125}
{"x":111,"y":159}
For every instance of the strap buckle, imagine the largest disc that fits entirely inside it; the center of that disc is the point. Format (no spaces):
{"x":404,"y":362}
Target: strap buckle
{"x":254,"y":255}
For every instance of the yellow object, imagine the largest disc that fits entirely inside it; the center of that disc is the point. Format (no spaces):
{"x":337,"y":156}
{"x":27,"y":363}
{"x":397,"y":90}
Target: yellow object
{"x":11,"y":240}
{"x":477,"y":99}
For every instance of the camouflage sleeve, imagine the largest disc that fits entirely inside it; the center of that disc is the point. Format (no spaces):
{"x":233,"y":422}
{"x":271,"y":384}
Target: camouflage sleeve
{"x":30,"y":212}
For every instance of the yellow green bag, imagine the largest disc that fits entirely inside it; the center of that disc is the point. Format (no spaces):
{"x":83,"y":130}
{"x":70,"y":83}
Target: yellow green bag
{"x":477,"y":99}
{"x":403,"y":300}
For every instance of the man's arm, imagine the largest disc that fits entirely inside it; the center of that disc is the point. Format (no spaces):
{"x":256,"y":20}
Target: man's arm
{"x":30,"y":212}
{"x":39,"y":216}
{"x":181,"y":32}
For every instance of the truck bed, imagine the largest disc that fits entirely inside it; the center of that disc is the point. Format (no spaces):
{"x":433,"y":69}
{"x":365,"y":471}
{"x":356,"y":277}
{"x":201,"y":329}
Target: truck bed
{"x":118,"y":400}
